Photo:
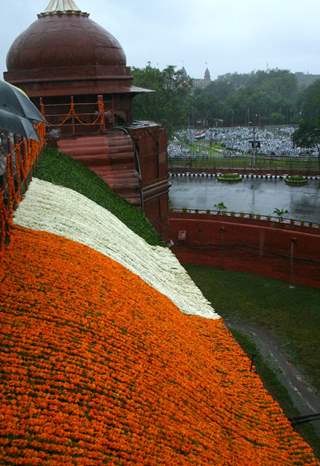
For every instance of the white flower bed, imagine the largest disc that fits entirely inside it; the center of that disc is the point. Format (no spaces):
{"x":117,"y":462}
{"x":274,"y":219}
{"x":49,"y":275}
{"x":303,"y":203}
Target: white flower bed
{"x":64,"y":212}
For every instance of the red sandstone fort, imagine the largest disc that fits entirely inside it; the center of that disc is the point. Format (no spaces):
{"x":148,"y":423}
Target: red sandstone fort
{"x":76,"y":73}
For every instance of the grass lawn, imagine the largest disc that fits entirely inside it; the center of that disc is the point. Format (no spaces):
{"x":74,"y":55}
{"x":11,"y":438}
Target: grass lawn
{"x":292,"y":314}
{"x":216,"y":160}
{"x":213,"y":150}
{"x":264,"y":163}
{"x":60,"y":169}
{"x":278,"y":391}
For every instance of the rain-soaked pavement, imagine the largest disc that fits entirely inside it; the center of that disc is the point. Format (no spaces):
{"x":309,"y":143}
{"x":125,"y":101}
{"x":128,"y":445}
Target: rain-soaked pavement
{"x":303,"y":395}
{"x":258,"y":196}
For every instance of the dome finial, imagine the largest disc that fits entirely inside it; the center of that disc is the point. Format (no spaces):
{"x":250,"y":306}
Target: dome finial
{"x":62,"y":7}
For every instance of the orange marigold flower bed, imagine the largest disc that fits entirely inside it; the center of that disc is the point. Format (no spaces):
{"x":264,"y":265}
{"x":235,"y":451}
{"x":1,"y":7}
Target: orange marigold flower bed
{"x":99,"y":368}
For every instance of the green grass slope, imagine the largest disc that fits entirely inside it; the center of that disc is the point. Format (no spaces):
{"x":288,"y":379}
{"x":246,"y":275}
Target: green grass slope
{"x":59,"y":169}
{"x":292,"y":314}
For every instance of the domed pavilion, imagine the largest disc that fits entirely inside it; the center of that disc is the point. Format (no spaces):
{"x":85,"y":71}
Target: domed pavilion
{"x":76,"y":73}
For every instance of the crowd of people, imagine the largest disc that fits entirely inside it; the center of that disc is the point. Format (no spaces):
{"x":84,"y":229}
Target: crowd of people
{"x":238,"y":141}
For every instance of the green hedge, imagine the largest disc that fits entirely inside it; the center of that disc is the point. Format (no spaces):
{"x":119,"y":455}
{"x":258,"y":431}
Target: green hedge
{"x":229,"y":177}
{"x":296,"y":180}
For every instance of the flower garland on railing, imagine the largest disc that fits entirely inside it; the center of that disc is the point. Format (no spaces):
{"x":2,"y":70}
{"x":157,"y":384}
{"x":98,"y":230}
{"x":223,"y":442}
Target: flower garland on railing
{"x":19,"y":164}
{"x":99,"y":368}
{"x":72,"y":114}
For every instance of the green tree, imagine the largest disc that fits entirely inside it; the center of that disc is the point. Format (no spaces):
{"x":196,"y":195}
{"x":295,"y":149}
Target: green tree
{"x":221,"y":207}
{"x":260,"y":97}
{"x":308,"y":133}
{"x":310,"y":100}
{"x":308,"y":136}
{"x":280,"y":213}
{"x":263,"y":97}
{"x":169,"y":103}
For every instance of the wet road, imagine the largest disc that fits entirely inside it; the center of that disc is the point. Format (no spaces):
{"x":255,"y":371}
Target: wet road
{"x":258,"y":196}
{"x":303,"y":395}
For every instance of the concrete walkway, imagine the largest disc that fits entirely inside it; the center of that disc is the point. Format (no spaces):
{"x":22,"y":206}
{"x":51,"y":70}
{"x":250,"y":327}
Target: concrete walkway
{"x":303,"y":395}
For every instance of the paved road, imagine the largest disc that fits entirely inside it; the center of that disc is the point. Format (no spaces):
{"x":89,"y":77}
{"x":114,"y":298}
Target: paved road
{"x":258,"y":196}
{"x":304,"y":397}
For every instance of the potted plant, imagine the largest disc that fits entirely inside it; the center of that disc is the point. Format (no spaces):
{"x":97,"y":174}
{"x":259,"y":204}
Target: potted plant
{"x":229,"y":177}
{"x":221,"y":208}
{"x":296,"y":180}
{"x":280,"y":213}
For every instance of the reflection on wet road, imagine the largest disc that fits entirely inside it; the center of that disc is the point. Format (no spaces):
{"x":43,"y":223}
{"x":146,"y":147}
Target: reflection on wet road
{"x":258,"y":196}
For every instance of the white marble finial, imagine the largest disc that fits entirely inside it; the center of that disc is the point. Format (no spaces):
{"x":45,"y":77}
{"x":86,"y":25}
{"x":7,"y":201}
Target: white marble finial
{"x":62,"y":7}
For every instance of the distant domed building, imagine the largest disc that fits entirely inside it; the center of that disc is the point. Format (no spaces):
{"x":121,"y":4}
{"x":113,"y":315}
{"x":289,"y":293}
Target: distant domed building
{"x":76,"y":73}
{"x":202,"y":83}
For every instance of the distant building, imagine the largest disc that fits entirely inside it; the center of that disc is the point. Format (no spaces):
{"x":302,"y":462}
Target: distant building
{"x":207,"y":75}
{"x":202,"y":83}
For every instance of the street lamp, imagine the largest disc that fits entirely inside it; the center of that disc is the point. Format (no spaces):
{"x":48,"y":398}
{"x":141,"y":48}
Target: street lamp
{"x":255,"y":144}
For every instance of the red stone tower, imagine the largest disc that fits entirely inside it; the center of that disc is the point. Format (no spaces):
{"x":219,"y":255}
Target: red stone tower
{"x":75,"y":71}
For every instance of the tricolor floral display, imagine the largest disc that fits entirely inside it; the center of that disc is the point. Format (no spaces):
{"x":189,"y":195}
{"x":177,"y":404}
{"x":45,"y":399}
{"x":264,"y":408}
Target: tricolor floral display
{"x":67,"y":213}
{"x":97,"y":367}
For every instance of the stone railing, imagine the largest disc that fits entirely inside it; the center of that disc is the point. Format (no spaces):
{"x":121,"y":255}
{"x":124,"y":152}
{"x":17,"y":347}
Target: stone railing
{"x":248,"y":216}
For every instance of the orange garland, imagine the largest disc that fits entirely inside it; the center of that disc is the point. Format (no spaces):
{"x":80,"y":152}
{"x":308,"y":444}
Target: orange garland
{"x":25,"y":155}
{"x":99,"y":368}
{"x":73,"y":114}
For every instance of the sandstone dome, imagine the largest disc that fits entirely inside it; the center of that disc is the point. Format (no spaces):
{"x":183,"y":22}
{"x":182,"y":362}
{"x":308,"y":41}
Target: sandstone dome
{"x":64,"y":44}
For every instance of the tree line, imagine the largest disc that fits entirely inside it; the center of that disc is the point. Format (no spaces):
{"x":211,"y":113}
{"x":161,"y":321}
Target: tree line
{"x":260,"y":98}
{"x":308,"y":133}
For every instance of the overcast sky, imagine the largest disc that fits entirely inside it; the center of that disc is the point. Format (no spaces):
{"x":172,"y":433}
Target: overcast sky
{"x":227,"y":35}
